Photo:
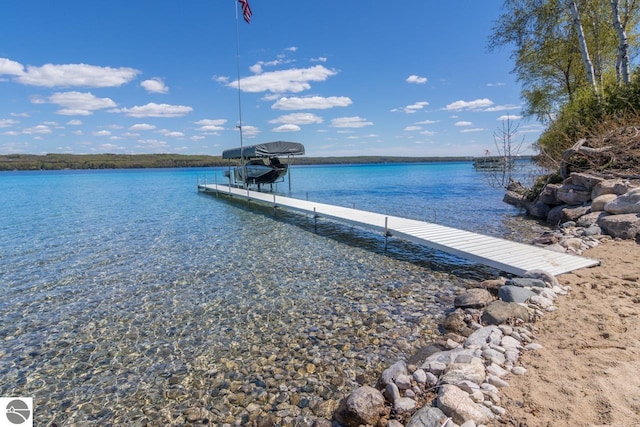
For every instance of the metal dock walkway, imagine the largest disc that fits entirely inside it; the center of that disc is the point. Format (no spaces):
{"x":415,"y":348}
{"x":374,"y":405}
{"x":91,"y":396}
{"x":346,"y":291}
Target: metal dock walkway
{"x":504,"y":255}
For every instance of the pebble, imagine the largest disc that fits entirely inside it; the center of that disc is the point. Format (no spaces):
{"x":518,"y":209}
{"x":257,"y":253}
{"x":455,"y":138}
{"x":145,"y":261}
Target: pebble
{"x":518,"y":370}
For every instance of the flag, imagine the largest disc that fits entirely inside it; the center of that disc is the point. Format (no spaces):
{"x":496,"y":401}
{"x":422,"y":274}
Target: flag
{"x":246,"y":10}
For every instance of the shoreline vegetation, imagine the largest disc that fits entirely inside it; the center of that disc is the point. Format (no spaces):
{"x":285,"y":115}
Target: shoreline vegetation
{"x":34,"y":162}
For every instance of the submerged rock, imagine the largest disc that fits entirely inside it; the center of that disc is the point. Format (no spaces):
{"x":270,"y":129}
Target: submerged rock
{"x":473,"y":298}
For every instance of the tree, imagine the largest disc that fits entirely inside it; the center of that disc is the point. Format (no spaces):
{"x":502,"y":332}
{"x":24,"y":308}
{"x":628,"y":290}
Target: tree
{"x":560,"y":46}
{"x":622,"y":61}
{"x":508,"y":148}
{"x":584,"y":50}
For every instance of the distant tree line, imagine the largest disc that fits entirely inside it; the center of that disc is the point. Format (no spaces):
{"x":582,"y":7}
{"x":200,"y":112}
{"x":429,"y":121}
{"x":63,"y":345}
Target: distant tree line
{"x":104,"y":161}
{"x":11,"y":162}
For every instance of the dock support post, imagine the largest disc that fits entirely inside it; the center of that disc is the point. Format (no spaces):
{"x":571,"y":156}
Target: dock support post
{"x":274,"y":205}
{"x":315,"y":221}
{"x":386,"y":232}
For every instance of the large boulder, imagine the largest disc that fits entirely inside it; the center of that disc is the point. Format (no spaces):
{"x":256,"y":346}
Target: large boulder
{"x":458,"y":405}
{"x":573,"y":194}
{"x":626,"y":204}
{"x":555,"y":214}
{"x":597,"y":205}
{"x":390,"y":374}
{"x":365,"y":405}
{"x":455,"y":322}
{"x":572,"y":213}
{"x":611,"y":186}
{"x":591,"y":218}
{"x":428,"y":417}
{"x":515,"y":294}
{"x":499,"y":312}
{"x":585,"y":180}
{"x":473,"y":371}
{"x":486,"y":335}
{"x":473,"y":298}
{"x":624,"y":226}
{"x":548,"y":195}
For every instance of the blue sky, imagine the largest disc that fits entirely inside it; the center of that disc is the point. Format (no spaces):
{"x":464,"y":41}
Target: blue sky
{"x":406,"y":78}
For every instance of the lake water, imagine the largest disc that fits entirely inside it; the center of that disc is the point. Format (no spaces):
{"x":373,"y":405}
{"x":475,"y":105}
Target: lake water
{"x":128,"y":298}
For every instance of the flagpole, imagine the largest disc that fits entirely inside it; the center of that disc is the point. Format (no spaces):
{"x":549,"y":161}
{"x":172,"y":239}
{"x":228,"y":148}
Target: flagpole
{"x":244,"y":169}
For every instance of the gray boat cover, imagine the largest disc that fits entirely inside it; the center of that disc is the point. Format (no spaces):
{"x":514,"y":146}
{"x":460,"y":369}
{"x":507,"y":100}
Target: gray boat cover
{"x":267,"y":149}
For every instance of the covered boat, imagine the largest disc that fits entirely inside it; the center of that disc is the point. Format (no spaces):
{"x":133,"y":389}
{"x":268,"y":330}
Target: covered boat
{"x":260,"y":163}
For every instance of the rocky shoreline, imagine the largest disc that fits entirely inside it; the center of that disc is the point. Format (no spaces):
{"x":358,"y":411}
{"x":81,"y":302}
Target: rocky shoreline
{"x":596,"y":203}
{"x":457,"y":381}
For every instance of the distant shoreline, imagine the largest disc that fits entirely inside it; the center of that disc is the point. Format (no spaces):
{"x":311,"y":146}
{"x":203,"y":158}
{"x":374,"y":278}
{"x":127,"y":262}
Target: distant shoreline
{"x":32,"y":162}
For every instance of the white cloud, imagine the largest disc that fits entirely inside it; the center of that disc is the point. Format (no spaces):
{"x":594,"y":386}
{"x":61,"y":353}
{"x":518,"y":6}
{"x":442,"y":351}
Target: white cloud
{"x":154,"y":85}
{"x":141,"y":126}
{"x":319,"y":59}
{"x":416,"y":79}
{"x":211,"y":122}
{"x":477,"y":104}
{"x":293,"y":80}
{"x":427,"y":122}
{"x":79,"y":103}
{"x":155,"y":110}
{"x":66,"y":75}
{"x":472,"y":130}
{"x":102,"y":133}
{"x":509,"y":117}
{"x":410,"y":109}
{"x":287,"y":128}
{"x":74,"y":122}
{"x":211,"y":125}
{"x":11,"y":68}
{"x":503,"y":108}
{"x":462,"y":123}
{"x":210,"y":128}
{"x":250,"y":131}
{"x":39,"y":129}
{"x":298,"y":119}
{"x":153,"y":143}
{"x":5,"y":123}
{"x":350,"y":122}
{"x":311,"y":103}
{"x":412,"y":128}
{"x":109,"y":148}
{"x":170,"y":133}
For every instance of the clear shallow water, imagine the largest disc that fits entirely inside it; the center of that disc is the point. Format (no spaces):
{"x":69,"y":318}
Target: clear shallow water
{"x":129,"y":298}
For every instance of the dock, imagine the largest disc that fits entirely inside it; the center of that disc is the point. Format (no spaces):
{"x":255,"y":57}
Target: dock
{"x":504,"y":255}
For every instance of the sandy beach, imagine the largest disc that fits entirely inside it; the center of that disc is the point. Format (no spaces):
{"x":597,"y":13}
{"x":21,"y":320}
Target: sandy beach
{"x":588,"y":373}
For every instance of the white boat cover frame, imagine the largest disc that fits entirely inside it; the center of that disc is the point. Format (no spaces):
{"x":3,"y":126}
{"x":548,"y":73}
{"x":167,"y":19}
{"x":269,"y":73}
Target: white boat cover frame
{"x":266,"y":149}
